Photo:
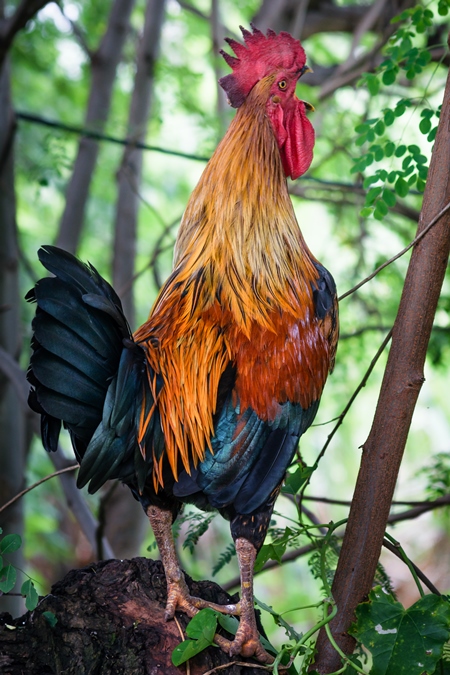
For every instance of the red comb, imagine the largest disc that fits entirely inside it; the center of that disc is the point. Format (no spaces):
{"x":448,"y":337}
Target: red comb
{"x":260,"y":56}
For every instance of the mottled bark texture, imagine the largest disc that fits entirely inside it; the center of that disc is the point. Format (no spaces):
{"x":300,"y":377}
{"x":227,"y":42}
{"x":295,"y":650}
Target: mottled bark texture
{"x":110,"y":621}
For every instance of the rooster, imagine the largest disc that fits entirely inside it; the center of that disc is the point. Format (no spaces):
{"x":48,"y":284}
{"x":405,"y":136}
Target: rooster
{"x":205,"y":403}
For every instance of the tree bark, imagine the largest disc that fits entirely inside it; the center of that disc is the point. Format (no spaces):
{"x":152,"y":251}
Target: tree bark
{"x":13,"y":437}
{"x":110,"y":621}
{"x":402,"y":381}
{"x":124,"y":520}
{"x":104,"y":64}
{"x":130,"y":171}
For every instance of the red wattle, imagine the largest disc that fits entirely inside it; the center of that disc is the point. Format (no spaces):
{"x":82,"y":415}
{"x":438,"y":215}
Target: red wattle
{"x":295,"y":136}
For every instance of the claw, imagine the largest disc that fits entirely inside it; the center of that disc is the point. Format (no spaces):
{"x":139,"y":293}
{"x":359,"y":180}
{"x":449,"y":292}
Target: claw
{"x":243,"y":646}
{"x":179,"y":599}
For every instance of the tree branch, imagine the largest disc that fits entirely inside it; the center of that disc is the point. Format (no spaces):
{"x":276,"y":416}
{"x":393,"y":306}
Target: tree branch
{"x":403,"y":378}
{"x":18,"y":20}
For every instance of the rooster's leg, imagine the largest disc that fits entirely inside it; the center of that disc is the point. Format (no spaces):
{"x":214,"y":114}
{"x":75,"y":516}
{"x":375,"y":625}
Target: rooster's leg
{"x":178,"y":596}
{"x":247,"y":643}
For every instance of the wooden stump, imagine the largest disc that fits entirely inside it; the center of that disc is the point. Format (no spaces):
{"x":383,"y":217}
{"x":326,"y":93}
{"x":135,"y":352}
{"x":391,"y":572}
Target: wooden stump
{"x":110,"y":620}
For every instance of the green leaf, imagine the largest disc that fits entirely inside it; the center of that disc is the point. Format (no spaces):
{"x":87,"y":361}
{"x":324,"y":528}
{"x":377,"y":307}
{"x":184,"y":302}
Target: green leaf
{"x":290,"y":631}
{"x":401,"y":187}
{"x":425,"y":125}
{"x":228,"y":622}
{"x":373,"y":84}
{"x":379,"y":212}
{"x":381,"y":207}
{"x":407,"y":161}
{"x":420,"y":184}
{"x":201,"y":630}
{"x":203,"y":625}
{"x":392,"y":176}
{"x":421,"y":159}
{"x":372,"y":195}
{"x":403,"y":642}
{"x":187,"y":649}
{"x":366,"y":212}
{"x":389,"y":149}
{"x":389,"y":117}
{"x":361,"y":140}
{"x":8,"y":576}
{"x":379,"y":127}
{"x":294,"y":481}
{"x":401,"y":149}
{"x":389,"y":76}
{"x":10,"y":543}
{"x":50,"y":618}
{"x":432,"y":135}
{"x":274,"y":550}
{"x":30,"y":594}
{"x":389,"y":197}
{"x":414,"y":149}
{"x":367,"y":182}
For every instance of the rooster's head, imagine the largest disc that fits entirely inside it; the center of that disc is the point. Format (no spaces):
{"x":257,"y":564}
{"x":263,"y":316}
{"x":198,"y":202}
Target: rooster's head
{"x":282,"y":59}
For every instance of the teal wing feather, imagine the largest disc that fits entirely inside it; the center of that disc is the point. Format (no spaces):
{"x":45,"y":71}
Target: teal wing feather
{"x":250,"y":456}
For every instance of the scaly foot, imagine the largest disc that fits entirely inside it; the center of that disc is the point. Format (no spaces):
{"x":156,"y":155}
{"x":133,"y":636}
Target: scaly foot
{"x":179,"y":598}
{"x":244,"y":645}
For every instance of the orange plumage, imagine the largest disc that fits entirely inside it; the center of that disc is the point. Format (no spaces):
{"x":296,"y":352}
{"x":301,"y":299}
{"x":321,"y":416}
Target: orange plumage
{"x":205,"y":403}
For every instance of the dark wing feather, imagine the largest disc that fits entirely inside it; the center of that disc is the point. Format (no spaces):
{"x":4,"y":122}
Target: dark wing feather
{"x":251,"y":456}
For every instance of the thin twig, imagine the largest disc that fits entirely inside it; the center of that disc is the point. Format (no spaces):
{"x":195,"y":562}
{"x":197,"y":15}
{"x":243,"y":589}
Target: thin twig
{"x":39,"y":482}
{"x":361,"y":385}
{"x":180,"y":630}
{"x":398,"y":255}
{"x":397,"y":551}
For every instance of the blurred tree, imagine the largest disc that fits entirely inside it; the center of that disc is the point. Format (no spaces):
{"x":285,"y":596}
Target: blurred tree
{"x":103,"y":62}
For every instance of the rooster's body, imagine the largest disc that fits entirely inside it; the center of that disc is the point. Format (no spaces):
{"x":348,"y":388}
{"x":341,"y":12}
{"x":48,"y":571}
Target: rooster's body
{"x":206,"y":402}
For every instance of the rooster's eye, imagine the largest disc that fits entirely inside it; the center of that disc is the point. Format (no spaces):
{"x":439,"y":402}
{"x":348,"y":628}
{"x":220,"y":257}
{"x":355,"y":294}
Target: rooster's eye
{"x":282,"y":84}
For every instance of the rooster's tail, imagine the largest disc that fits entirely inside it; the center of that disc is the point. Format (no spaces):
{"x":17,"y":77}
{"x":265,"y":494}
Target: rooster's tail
{"x":86,"y":371}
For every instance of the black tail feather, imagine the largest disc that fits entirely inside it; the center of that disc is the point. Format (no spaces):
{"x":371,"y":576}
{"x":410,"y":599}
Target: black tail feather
{"x":79,"y":334}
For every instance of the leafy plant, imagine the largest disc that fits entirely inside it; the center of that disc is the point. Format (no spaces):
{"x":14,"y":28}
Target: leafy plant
{"x":397,"y":178}
{"x":8,"y":573}
{"x":403,"y":641}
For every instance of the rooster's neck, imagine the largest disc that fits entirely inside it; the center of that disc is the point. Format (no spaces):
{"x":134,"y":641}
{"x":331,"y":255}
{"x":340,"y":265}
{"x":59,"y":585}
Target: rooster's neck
{"x":239,"y":232}
{"x":241,"y":200}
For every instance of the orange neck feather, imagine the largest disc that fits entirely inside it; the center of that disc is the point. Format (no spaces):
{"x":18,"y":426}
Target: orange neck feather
{"x":239,"y":228}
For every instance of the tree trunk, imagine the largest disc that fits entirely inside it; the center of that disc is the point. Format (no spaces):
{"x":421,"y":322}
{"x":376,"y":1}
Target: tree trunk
{"x":403,"y":378}
{"x":104,"y":64}
{"x":110,"y":621}
{"x":130,"y":171}
{"x":125,"y":523}
{"x":12,"y":421}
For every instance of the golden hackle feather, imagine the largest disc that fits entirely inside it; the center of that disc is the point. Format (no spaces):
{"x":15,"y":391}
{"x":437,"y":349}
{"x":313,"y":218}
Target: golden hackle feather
{"x":242,"y":271}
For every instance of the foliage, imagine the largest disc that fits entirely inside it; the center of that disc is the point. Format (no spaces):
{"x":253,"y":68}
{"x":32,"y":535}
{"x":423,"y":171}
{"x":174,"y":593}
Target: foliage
{"x":437,"y":475}
{"x":403,"y":641}
{"x":401,"y":54}
{"x":8,"y":573}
